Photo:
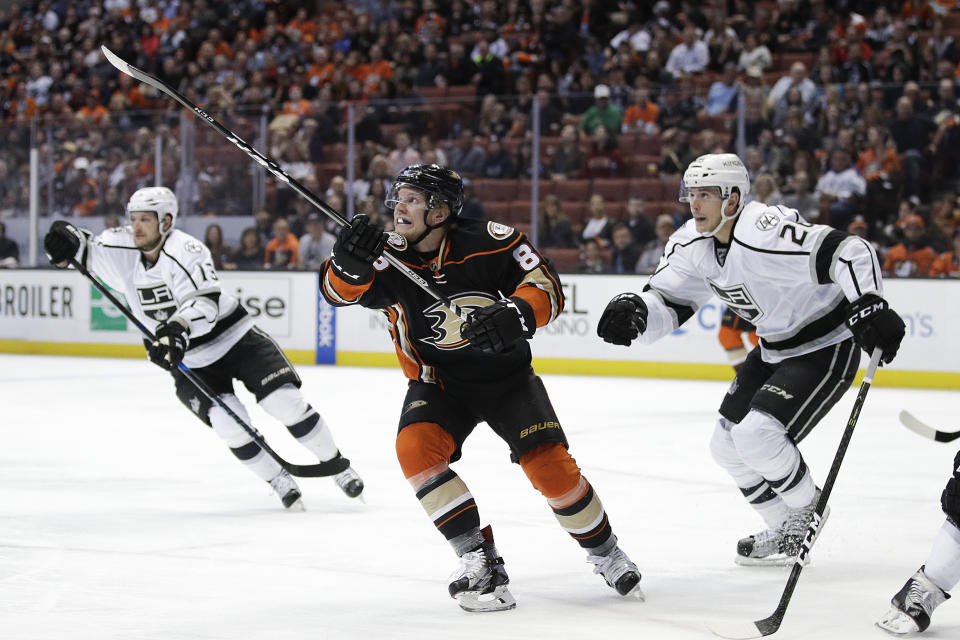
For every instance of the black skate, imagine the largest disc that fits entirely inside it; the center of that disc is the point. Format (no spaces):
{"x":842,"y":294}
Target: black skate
{"x":480,"y":582}
{"x":619,"y":572}
{"x":286,"y":487}
{"x":912,"y":606}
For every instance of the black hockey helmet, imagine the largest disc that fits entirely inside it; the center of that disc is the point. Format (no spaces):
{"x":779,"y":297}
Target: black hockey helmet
{"x":439,"y":183}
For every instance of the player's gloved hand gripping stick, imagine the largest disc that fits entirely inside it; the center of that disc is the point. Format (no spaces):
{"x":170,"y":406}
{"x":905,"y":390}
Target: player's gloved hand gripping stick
{"x":328,"y":468}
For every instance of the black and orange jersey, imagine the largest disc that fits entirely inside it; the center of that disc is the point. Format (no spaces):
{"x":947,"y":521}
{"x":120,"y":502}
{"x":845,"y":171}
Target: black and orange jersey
{"x":477,"y":264}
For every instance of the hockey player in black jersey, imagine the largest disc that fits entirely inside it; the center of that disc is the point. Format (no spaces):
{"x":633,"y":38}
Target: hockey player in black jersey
{"x":912,"y":606}
{"x":167,"y":277}
{"x":463,"y":373}
{"x":814,"y":294}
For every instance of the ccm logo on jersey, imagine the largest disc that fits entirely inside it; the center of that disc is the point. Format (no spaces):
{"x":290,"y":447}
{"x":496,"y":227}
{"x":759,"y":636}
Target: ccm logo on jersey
{"x":777,"y":391}
{"x":540,"y":426}
{"x":767,"y":221}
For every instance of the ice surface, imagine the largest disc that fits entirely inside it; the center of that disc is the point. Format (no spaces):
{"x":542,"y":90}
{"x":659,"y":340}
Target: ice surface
{"x":122,"y":516}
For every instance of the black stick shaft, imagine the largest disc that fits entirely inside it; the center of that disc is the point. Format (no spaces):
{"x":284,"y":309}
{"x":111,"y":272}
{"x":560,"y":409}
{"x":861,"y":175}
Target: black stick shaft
{"x":329,"y":468}
{"x":274,"y":168}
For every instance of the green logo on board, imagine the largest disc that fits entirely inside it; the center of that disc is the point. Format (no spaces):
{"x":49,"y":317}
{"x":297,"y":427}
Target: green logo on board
{"x":104,"y":316}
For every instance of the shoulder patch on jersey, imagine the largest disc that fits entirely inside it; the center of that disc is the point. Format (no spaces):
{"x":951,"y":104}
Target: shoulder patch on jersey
{"x":768,"y":221}
{"x":499,"y":231}
{"x":192,"y":246}
{"x":394,"y":239}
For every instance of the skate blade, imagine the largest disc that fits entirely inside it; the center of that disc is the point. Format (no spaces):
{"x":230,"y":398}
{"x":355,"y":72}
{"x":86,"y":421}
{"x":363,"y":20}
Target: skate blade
{"x":777,"y":560}
{"x":297,"y":506}
{"x":897,"y":623}
{"x":636,"y":594}
{"x":500,"y":599}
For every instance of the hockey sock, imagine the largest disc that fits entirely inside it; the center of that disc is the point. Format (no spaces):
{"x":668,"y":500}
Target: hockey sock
{"x":288,"y":405}
{"x":451,"y":506}
{"x":754,"y":488}
{"x":943,"y":563}
{"x":239,"y":441}
{"x":763,"y":445}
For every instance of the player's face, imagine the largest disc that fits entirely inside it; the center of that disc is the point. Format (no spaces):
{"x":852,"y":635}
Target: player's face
{"x":705,"y":206}
{"x":410,"y":212}
{"x":146,"y":229}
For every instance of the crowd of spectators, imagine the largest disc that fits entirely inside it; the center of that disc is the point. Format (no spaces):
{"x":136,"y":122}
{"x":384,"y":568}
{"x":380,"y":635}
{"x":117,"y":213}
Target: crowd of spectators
{"x":844,"y":110}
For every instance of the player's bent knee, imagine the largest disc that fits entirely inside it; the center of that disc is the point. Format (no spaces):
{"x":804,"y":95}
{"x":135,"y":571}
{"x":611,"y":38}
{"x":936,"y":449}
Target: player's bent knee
{"x":551,"y":469}
{"x":286,"y":404}
{"x":423,"y":445}
{"x":721,"y":445}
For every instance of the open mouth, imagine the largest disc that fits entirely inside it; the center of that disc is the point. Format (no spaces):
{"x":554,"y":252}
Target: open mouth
{"x":402,"y":220}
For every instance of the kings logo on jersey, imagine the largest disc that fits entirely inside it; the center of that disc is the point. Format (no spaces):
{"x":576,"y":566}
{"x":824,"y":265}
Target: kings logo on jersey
{"x":157,"y":302}
{"x":739,"y":300}
{"x":446,"y":324}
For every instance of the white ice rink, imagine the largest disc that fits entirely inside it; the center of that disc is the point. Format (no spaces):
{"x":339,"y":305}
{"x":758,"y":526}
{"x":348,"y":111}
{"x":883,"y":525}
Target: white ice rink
{"x":123,"y":517}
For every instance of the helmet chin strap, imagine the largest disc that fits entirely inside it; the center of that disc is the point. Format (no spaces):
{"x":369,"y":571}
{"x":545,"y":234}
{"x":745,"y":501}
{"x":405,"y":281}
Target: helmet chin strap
{"x":724,"y":218}
{"x":430,"y":227}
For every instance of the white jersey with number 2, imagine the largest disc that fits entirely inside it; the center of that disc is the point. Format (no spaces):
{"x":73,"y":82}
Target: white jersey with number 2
{"x":791,"y":279}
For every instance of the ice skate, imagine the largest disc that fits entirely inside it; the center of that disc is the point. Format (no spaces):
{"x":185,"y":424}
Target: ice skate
{"x":349,"y":482}
{"x":286,"y":487}
{"x":480,"y":582}
{"x":779,"y":546}
{"x":619,"y":572}
{"x":912,"y":606}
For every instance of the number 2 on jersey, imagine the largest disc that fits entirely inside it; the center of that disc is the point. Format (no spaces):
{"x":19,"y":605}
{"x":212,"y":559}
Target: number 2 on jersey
{"x":792,"y":230}
{"x":526,"y":257}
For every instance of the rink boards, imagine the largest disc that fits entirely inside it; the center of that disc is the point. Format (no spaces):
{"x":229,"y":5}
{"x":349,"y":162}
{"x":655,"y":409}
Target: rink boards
{"x":58,"y":312}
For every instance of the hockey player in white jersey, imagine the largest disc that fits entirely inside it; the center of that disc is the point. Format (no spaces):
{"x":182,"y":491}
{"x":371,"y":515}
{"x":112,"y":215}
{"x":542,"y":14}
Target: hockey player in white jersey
{"x":810,"y":290}
{"x":169,"y":281}
{"x":912,"y":606}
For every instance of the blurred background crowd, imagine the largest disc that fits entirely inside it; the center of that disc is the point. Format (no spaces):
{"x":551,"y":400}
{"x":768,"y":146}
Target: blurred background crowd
{"x":572,"y":121}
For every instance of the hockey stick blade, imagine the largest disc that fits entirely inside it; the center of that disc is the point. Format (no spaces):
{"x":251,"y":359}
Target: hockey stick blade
{"x":321,"y":469}
{"x":771,"y":623}
{"x":271,"y":165}
{"x":911,"y":422}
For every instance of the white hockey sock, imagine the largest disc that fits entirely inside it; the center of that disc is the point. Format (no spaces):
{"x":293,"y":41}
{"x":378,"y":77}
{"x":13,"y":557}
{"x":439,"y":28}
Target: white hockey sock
{"x":288,"y":405}
{"x":943,"y":563}
{"x":754,"y":488}
{"x":763,"y":445}
{"x":239,"y":441}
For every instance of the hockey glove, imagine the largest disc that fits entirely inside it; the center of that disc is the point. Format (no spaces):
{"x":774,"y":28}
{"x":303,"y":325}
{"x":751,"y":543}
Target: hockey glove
{"x":63,"y":242}
{"x":624,"y":319}
{"x":498,"y":327}
{"x":874,"y":324}
{"x":171,"y":343}
{"x":357,"y":248}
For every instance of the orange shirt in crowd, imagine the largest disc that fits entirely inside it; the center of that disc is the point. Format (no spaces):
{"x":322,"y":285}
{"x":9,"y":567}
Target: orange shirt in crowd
{"x":320,"y":75}
{"x":870,"y":168}
{"x":291,"y":245}
{"x":94,"y":114}
{"x":904,"y":263}
{"x":946,"y":265}
{"x":297,"y":107}
{"x":648,"y":113}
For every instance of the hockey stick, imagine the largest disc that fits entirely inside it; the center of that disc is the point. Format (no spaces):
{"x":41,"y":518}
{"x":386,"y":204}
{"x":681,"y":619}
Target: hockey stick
{"x":770,"y":624}
{"x":328,"y":468}
{"x":911,"y":422}
{"x":274,"y":168}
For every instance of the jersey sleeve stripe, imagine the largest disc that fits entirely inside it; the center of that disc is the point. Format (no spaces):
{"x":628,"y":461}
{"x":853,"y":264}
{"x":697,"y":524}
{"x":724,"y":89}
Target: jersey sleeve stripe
{"x":542,"y":292}
{"x":853,"y":275}
{"x":822,"y":326}
{"x":825,"y":254}
{"x":339,"y":290}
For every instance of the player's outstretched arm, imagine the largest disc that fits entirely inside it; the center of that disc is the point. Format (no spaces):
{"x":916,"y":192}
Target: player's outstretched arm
{"x":64,"y":242}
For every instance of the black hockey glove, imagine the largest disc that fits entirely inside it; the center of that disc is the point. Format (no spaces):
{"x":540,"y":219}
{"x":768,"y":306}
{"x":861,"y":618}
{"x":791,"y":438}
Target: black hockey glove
{"x":624,"y":319}
{"x":498,"y":327}
{"x":171,"y":343}
{"x":357,"y":248}
{"x":874,"y":324}
{"x":63,"y":242}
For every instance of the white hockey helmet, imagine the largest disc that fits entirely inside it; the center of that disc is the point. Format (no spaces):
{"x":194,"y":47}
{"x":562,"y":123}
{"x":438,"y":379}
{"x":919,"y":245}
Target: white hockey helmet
{"x":723,"y":170}
{"x":159,"y":200}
